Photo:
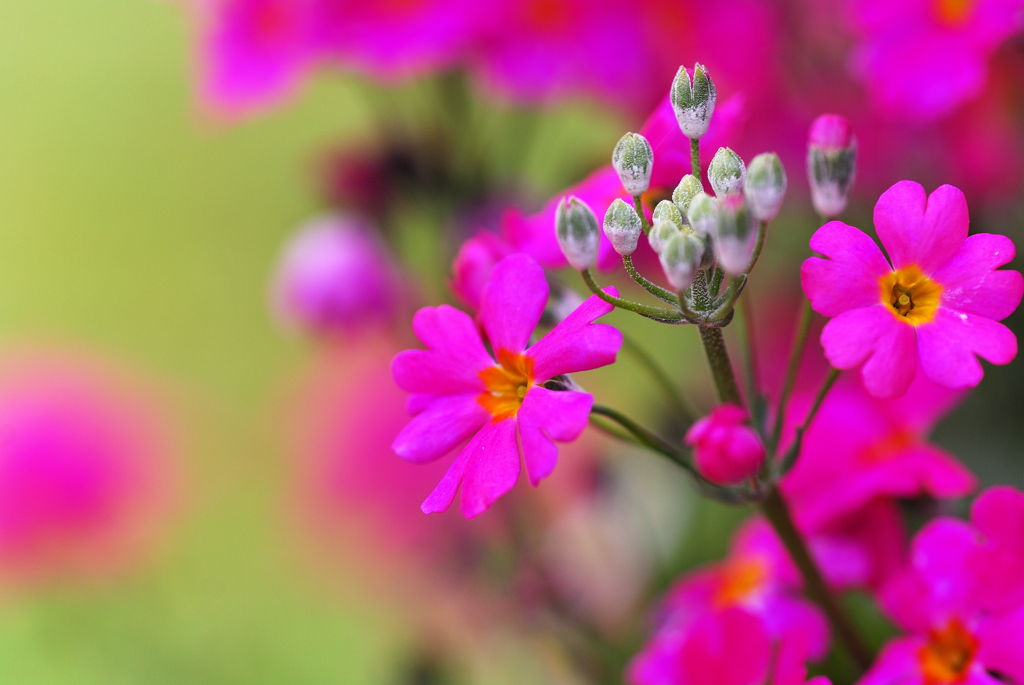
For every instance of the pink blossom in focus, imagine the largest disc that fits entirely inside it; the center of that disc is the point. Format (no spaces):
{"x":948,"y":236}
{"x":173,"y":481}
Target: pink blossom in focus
{"x":336,"y":276}
{"x":859,"y":448}
{"x":84,"y":470}
{"x":459,"y":392}
{"x":727,"y":450}
{"x":939,"y":302}
{"x":922,"y":58}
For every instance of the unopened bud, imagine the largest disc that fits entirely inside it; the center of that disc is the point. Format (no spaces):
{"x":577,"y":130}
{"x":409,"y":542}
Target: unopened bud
{"x":577,"y":232}
{"x":765,"y":186}
{"x":693,"y":100}
{"x":633,"y":159}
{"x":680,"y":259}
{"x":684,"y":193}
{"x":623,"y":227}
{"x":662,"y":231}
{"x":726,"y":172}
{"x":831,"y":163}
{"x":734,"y":235}
{"x":668,"y":212}
{"x":703,"y":213}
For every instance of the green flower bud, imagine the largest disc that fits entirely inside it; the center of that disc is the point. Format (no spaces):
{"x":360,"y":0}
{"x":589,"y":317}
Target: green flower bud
{"x":702,"y":214}
{"x":662,"y":231}
{"x":668,"y":212}
{"x":633,"y":159}
{"x":726,"y":172}
{"x":623,"y":227}
{"x":577,"y":232}
{"x":765,"y":186}
{"x":734,"y":235}
{"x":684,"y":193}
{"x":680,"y":259}
{"x":693,"y":100}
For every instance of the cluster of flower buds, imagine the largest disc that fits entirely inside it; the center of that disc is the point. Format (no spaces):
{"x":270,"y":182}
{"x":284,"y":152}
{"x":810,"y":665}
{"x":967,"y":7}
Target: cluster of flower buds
{"x":693,"y":100}
{"x":831,"y":163}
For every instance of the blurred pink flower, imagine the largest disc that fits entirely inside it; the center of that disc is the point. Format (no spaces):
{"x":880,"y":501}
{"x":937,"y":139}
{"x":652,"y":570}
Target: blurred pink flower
{"x":85,"y":479}
{"x":471,"y":269}
{"x":922,"y":58}
{"x":336,"y":276}
{"x":726,"y":449}
{"x":460,"y":392}
{"x":998,"y":514}
{"x":939,"y":302}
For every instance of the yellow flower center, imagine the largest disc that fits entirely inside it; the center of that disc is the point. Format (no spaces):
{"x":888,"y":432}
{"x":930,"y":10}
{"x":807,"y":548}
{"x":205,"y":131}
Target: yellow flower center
{"x":910,"y":295}
{"x":740,"y":579}
{"x":953,"y":12}
{"x":506,"y":384}
{"x":948,"y":654}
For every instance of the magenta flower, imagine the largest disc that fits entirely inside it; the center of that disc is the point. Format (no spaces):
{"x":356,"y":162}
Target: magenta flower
{"x":941,"y":600}
{"x":860,"y":448}
{"x":757,"y":579}
{"x":471,"y":268}
{"x":998,"y":514}
{"x":939,"y":302}
{"x":922,"y":58}
{"x":336,"y":276}
{"x":461,"y":392}
{"x":726,"y":449}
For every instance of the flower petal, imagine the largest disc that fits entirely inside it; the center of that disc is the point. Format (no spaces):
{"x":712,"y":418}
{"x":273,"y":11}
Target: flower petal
{"x":545,"y":416}
{"x":994,"y":296}
{"x":918,"y":229}
{"x":442,"y":425}
{"x":513,"y":302}
{"x":576,"y":344}
{"x":999,"y":642}
{"x":454,"y":357}
{"x":980,"y":254}
{"x":493,"y":467}
{"x":848,"y":279}
{"x":874,"y":334}
{"x":709,"y":653}
{"x":898,"y":664}
{"x":949,"y":342}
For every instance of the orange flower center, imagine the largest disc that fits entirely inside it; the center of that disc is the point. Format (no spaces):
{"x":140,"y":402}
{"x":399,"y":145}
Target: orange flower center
{"x":506,"y":384}
{"x":953,"y":12}
{"x":887,"y":447}
{"x":740,"y":579}
{"x":948,"y":654}
{"x":910,"y":295}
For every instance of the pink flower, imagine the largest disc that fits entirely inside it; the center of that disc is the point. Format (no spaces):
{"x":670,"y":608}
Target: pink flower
{"x":460,"y":392}
{"x":939,"y":302}
{"x":922,"y":58}
{"x":998,"y":514}
{"x":84,"y":476}
{"x":471,"y":269}
{"x":757,"y":579}
{"x":336,"y":277}
{"x":941,"y":601}
{"x":859,"y":448}
{"x":727,"y":450}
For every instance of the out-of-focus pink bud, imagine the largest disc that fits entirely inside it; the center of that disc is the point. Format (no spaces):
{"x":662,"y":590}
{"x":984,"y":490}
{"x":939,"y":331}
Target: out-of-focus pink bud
{"x":471,"y":268}
{"x":335,"y":276}
{"x":831,"y":132}
{"x":831,"y":163}
{"x":727,"y":450}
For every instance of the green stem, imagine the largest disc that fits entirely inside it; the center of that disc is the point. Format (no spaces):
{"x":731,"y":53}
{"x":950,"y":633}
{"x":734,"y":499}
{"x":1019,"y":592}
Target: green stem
{"x":638,"y":205}
{"x":714,"y":346}
{"x":794,"y":449}
{"x":795,"y":356}
{"x":659,"y":313}
{"x":644,"y":436}
{"x":657,"y":291}
{"x":762,"y":231}
{"x":661,"y":378}
{"x":731,"y":295}
{"x":777,"y":512}
{"x":748,"y":350}
{"x":695,"y":157}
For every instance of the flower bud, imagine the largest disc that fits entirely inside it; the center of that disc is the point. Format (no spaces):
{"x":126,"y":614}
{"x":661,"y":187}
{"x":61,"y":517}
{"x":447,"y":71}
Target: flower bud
{"x":681,"y":257}
{"x":703,"y":213}
{"x":661,"y":233}
{"x":831,"y":163}
{"x":734,"y":235}
{"x":668,"y":212}
{"x":623,"y":227}
{"x":633,"y":159}
{"x":765,"y":186}
{"x":693,"y":100}
{"x":726,"y":172}
{"x":577,"y":232}
{"x":684,"y":193}
{"x":726,"y":450}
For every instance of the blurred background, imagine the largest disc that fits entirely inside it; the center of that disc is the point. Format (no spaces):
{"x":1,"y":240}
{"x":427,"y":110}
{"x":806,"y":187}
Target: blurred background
{"x":197,"y":485}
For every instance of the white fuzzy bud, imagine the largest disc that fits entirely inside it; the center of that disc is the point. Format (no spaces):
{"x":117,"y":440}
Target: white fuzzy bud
{"x":726,"y":172}
{"x":765,"y":186}
{"x":577,"y":232}
{"x":702,"y":214}
{"x":633,"y":159}
{"x":831,"y":163}
{"x":680,"y":259}
{"x":623,"y":227}
{"x":661,"y":232}
{"x":693,"y":100}
{"x":684,"y":193}
{"x":667,"y":211}
{"x":734,"y":235}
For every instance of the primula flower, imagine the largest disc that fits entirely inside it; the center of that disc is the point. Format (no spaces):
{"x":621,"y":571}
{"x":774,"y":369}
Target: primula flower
{"x":726,"y":449}
{"x":922,"y":58}
{"x":939,"y":302}
{"x":998,"y":514}
{"x":460,"y":391}
{"x":758,"y":579}
{"x":859,"y":448}
{"x":472,"y":266}
{"x":941,"y":601}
